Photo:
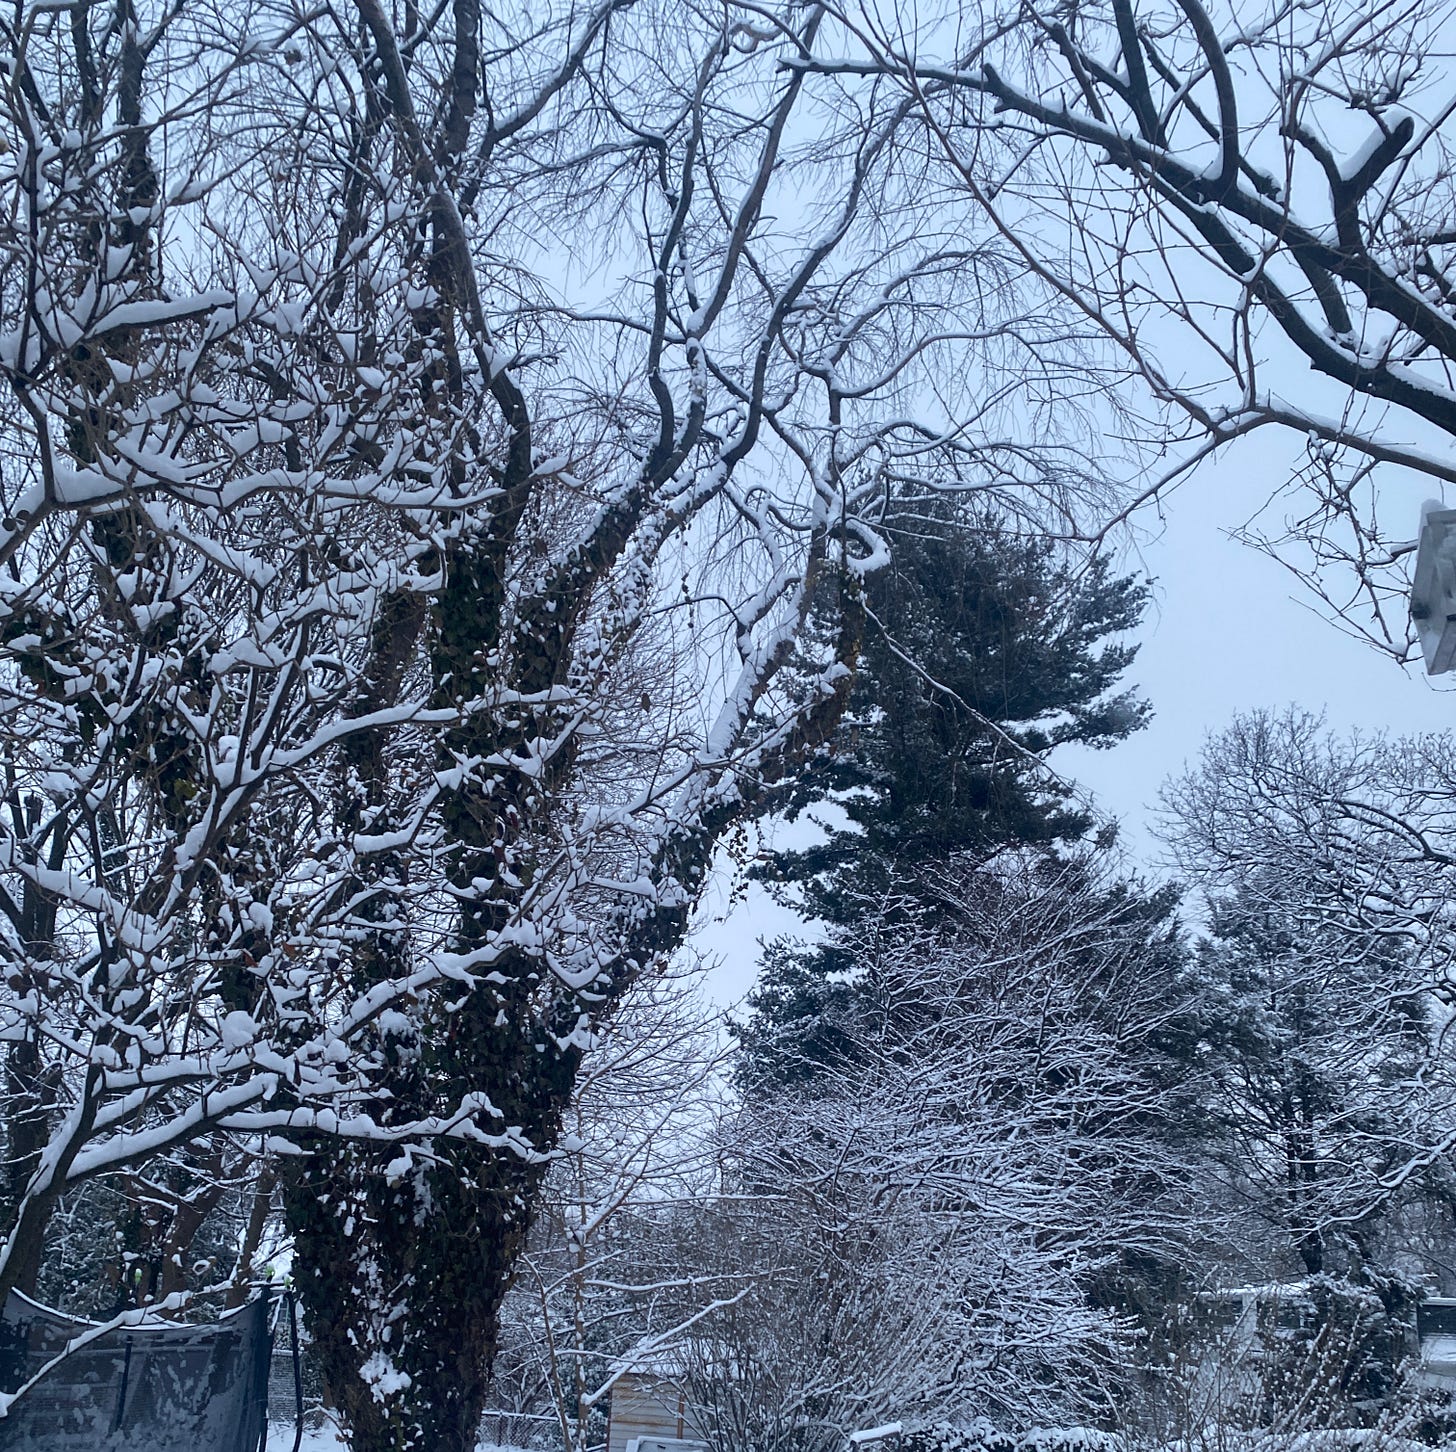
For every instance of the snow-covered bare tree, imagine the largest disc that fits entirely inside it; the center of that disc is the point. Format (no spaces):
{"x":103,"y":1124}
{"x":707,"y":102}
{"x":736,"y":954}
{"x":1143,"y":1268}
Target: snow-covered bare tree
{"x":432,"y":429}
{"x":970,"y":1148}
{"x":639,"y":1145}
{"x":1358,"y":828}
{"x":1319,"y":1000}
{"x":1252,"y":202}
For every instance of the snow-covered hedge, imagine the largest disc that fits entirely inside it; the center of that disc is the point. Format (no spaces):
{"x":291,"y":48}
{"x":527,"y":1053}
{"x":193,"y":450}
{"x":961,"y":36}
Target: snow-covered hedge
{"x":1214,"y":1438}
{"x":985,"y":1438}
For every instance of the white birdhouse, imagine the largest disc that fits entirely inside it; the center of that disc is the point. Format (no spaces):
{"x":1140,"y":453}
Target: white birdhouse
{"x":1433,"y":591}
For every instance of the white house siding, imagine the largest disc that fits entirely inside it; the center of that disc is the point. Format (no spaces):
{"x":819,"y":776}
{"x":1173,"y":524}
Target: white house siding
{"x":643,"y":1406}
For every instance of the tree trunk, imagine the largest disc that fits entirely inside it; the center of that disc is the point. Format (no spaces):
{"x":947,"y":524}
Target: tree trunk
{"x":402,"y":1266}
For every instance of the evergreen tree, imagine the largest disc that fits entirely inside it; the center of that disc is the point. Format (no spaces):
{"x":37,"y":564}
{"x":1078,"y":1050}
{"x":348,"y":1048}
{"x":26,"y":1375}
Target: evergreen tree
{"x":817,"y":1006}
{"x":984,"y":651}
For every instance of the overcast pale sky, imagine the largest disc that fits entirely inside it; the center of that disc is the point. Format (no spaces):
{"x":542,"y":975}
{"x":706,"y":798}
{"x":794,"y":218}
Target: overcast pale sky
{"x":1230,"y":632}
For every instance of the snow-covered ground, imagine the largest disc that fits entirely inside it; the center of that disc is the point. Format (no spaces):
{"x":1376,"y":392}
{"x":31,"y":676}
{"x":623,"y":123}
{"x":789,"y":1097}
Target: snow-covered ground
{"x":324,"y":1439}
{"x":327,"y":1439}
{"x":1213,"y":1439}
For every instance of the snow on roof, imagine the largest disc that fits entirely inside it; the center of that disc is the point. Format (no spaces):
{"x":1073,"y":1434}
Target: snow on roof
{"x":876,"y":1434}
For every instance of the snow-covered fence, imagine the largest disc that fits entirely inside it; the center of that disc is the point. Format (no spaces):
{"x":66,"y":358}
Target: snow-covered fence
{"x":535,"y":1431}
{"x":290,"y":1397}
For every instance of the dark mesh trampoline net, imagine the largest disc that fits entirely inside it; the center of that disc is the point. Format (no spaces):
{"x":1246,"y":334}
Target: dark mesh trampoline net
{"x":150,"y":1388}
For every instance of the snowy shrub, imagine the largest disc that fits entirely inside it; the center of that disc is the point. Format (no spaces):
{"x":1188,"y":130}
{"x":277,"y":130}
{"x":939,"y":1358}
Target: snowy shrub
{"x":1333,"y":1353}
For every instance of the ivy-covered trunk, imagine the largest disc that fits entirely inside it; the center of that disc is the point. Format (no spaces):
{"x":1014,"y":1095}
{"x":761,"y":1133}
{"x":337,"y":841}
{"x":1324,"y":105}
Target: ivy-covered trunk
{"x":411,"y":1266}
{"x":404,"y":1248}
